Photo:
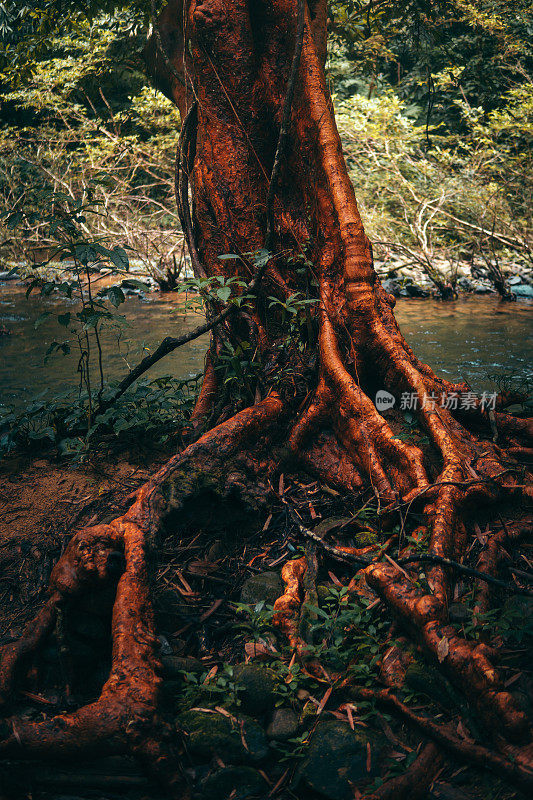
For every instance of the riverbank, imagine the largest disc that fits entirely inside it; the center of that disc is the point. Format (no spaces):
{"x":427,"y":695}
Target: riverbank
{"x":412,"y":278}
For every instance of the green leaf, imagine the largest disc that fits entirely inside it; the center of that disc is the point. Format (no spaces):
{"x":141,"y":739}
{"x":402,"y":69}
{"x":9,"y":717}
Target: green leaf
{"x":91,"y":320}
{"x":84,"y":253}
{"x":64,"y":319}
{"x":66,"y":288}
{"x":261,"y":257}
{"x":224,"y":293}
{"x":115,"y":295}
{"x":41,"y":318}
{"x":228,"y":256}
{"x":119,"y":257}
{"x":120,"y":424}
{"x":47,"y":288}
{"x":35,"y":282}
{"x":54,"y":347}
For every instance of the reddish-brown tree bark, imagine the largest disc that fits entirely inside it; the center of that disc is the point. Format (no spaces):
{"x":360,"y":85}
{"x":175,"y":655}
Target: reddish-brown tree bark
{"x":227,"y":68}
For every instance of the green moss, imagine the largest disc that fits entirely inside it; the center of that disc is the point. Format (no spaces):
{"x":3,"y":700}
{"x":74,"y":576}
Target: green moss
{"x":207,"y":734}
{"x":323,"y":592}
{"x":366,"y":539}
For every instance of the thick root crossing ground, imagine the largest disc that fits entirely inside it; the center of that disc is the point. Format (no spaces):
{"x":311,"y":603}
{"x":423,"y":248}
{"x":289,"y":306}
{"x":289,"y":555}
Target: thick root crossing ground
{"x":444,"y":507}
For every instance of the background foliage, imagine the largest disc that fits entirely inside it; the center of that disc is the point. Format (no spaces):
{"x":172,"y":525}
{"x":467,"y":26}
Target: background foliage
{"x":435,"y":104}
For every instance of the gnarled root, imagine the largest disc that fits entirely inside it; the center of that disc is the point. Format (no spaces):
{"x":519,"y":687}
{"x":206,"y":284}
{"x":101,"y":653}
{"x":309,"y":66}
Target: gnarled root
{"x":126,"y":710}
{"x":234,"y":64}
{"x":494,"y":553}
{"x":287,"y":607}
{"x":125,"y":718}
{"x":517,"y":771}
{"x":467,"y":664}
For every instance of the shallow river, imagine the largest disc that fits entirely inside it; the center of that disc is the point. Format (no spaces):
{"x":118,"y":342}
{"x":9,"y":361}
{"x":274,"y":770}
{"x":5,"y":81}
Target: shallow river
{"x":474,"y":338}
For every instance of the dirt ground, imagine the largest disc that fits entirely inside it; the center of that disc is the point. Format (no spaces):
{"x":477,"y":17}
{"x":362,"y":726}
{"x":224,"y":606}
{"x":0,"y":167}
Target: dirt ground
{"x":42,"y":503}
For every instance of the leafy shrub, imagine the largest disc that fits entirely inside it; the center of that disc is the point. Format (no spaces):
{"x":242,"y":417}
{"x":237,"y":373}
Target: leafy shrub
{"x":151,"y":412}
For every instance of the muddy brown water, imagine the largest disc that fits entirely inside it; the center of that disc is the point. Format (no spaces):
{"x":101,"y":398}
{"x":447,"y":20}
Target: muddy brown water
{"x":473,"y":337}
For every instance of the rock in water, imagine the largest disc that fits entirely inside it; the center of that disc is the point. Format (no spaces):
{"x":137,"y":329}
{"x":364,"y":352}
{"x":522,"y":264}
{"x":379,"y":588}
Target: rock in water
{"x":523,"y":290}
{"x":337,"y":760}
{"x":266,"y":587}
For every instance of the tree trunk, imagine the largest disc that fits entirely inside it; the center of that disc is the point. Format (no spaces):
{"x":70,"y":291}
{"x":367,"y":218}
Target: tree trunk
{"x":263,"y":159}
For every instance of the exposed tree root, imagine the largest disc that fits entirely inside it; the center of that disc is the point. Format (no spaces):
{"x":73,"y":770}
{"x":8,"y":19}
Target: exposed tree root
{"x":125,"y":717}
{"x":494,"y":553}
{"x":415,"y":781}
{"x":518,"y":771}
{"x":287,"y":607}
{"x":467,"y":664}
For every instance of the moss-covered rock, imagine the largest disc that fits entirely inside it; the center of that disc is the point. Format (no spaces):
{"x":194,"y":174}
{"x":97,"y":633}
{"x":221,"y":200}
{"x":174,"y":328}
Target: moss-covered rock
{"x":235,"y":782}
{"x":283,"y":725}
{"x":365,"y":539}
{"x":265,"y":587}
{"x":256,"y":688}
{"x":175,"y":666}
{"x":323,"y":591}
{"x":234,"y":740}
{"x":338,"y":760}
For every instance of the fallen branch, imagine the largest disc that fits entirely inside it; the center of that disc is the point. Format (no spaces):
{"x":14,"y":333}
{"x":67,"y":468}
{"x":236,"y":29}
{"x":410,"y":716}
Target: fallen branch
{"x":422,"y":558}
{"x":464,"y":570}
{"x":171,"y":343}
